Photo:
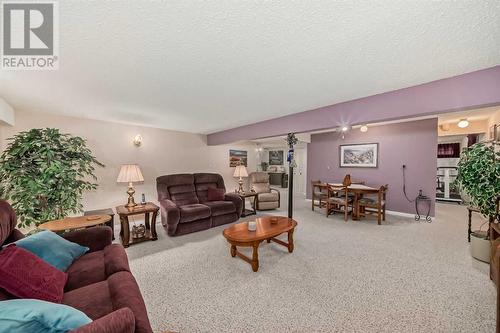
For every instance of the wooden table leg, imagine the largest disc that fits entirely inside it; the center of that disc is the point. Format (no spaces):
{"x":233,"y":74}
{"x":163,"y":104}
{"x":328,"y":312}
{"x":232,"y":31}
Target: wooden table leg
{"x":469,"y":231}
{"x":255,"y":257}
{"x":354,"y":207}
{"x":233,"y":250}
{"x":154,"y":236}
{"x":146,"y":221}
{"x":290,"y":241}
{"x":125,"y":231}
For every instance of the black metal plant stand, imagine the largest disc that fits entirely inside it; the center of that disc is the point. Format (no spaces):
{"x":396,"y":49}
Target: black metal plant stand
{"x":425,"y":199}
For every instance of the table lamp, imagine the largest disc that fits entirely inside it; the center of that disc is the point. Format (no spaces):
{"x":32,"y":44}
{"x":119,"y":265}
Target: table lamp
{"x":240,"y":171}
{"x":130,"y":173}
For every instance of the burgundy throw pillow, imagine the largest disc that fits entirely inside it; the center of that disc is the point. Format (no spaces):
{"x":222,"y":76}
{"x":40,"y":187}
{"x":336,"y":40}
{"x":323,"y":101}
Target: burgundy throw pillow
{"x":216,"y":194}
{"x":24,"y":275}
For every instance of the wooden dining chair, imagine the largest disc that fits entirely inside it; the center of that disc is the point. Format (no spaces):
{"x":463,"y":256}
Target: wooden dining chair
{"x":373,"y":206}
{"x":319,"y":194}
{"x":338,"y":200}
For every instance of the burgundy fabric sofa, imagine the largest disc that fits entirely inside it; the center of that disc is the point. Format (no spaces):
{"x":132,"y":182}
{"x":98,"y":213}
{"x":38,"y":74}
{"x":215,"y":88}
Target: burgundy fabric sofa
{"x":99,"y":282}
{"x":185,"y":207}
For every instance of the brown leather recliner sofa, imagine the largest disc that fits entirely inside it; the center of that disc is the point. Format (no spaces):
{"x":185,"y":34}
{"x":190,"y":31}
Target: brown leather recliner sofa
{"x":267,"y":197}
{"x":99,"y":283}
{"x":185,"y":207}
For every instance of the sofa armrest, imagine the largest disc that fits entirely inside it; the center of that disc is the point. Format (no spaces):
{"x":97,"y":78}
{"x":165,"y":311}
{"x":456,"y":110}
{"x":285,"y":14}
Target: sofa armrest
{"x":237,"y":201}
{"x":279,"y":195}
{"x":119,"y":321}
{"x":170,"y":215}
{"x":95,"y":238}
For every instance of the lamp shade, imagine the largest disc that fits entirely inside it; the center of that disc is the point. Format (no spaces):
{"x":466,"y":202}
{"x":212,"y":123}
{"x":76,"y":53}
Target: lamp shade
{"x":130,"y":173}
{"x":240,"y":171}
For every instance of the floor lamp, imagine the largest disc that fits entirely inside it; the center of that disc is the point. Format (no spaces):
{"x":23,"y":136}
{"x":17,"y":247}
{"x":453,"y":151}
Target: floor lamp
{"x":291,"y":141}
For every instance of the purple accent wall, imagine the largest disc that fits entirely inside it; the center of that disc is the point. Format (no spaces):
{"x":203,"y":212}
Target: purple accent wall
{"x":411,"y":143}
{"x":472,"y":90}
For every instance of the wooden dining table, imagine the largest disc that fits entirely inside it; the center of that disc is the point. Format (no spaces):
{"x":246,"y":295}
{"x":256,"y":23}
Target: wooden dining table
{"x":355,"y":188}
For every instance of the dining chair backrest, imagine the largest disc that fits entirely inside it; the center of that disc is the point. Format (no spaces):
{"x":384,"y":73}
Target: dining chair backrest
{"x":347,"y":180}
{"x":382,"y":192}
{"x":334,"y":190}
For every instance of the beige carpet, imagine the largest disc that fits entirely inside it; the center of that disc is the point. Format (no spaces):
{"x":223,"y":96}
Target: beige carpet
{"x":403,"y":276}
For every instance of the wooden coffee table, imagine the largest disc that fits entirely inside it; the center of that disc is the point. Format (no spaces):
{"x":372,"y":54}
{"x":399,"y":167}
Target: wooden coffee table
{"x":71,"y":223}
{"x":239,"y":235}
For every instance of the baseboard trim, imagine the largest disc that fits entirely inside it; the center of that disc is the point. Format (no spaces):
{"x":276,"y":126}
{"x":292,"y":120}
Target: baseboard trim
{"x":391,"y":212}
{"x":395,"y":213}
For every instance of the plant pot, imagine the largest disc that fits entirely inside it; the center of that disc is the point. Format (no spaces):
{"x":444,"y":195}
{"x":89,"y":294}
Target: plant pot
{"x":480,"y":246}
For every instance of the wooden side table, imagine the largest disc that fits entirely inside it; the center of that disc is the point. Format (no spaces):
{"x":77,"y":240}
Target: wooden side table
{"x":145,"y":209}
{"x":243,"y":196}
{"x":72,"y":223}
{"x":107,"y":211}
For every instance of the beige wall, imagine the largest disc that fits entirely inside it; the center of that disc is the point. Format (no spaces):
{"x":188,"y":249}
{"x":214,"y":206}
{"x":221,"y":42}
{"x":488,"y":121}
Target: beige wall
{"x":162,"y":152}
{"x":475,"y":127}
{"x":493,"y":120}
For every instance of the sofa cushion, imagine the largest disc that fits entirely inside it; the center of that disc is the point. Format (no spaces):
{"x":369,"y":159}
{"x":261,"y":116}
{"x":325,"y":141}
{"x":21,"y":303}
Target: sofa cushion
{"x":25,"y":275}
{"x":120,"y":290}
{"x":266,"y":197}
{"x":97,"y":266}
{"x":53,"y":249}
{"x":179,"y":188}
{"x":29,"y":315}
{"x":205,"y":181}
{"x":220,"y":207}
{"x":193,"y":212}
{"x":215,"y":194}
{"x":261,"y":187}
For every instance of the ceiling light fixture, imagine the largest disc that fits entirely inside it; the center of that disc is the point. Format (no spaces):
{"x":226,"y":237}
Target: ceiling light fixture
{"x":463,"y":123}
{"x":364,"y":128}
{"x":345,"y":128}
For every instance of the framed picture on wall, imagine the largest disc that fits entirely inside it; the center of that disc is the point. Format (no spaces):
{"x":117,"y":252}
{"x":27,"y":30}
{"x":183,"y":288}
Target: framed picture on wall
{"x":276,"y":157}
{"x":363,"y":155}
{"x":237,"y":157}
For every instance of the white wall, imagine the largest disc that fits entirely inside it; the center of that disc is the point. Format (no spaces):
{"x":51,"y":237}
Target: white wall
{"x":162,"y":152}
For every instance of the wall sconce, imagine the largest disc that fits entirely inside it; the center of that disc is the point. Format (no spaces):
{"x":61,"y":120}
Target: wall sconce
{"x":445,"y":127}
{"x":364,"y":128}
{"x":138,"y":140}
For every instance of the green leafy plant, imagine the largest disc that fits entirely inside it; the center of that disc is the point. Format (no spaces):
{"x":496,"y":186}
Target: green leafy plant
{"x":479,"y":176}
{"x":44,"y":174}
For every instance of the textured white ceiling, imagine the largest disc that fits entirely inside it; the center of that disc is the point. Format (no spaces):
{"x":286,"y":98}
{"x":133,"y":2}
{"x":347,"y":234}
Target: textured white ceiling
{"x":203,"y":66}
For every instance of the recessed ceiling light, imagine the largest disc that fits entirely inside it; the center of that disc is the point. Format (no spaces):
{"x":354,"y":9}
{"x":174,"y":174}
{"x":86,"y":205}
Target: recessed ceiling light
{"x":345,"y":128}
{"x":363,"y":128}
{"x":463,"y":123}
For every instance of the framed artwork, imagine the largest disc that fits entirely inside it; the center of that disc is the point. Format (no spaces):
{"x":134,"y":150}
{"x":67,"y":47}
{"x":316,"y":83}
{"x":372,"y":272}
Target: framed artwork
{"x":237,"y":157}
{"x":363,"y":155}
{"x":276,"y":157}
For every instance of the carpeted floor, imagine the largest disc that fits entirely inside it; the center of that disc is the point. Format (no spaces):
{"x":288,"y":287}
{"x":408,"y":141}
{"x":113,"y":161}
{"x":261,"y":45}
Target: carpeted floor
{"x":403,"y":276}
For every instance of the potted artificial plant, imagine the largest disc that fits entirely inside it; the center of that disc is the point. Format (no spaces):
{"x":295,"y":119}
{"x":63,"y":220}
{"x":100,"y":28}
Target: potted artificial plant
{"x":44,"y":173}
{"x":478,"y":177}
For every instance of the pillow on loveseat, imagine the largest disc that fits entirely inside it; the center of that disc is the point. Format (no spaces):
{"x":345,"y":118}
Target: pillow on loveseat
{"x":24,"y":275}
{"x":215,"y":194}
{"x":29,"y":315}
{"x":53,"y":249}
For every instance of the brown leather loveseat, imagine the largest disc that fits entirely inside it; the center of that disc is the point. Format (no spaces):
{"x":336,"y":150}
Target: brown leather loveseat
{"x":185,"y":207}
